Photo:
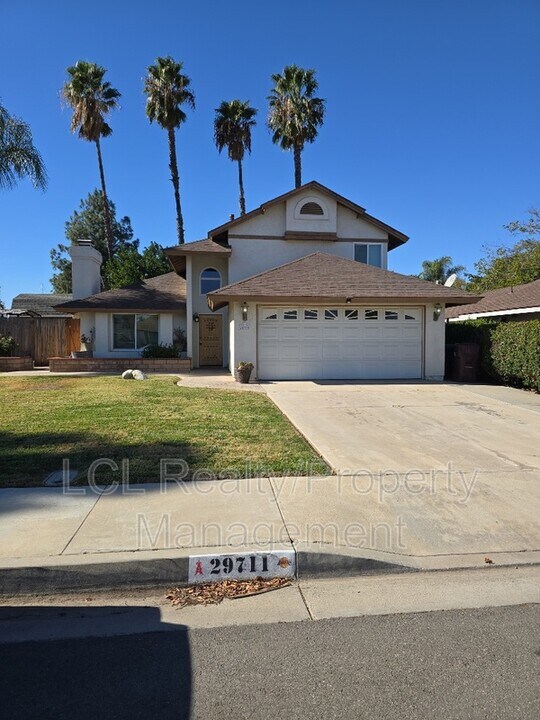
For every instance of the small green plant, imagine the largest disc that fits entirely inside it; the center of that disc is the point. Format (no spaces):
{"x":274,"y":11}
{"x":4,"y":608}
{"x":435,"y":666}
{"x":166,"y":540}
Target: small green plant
{"x":160,"y":350}
{"x":7,"y":345}
{"x":245,"y":366}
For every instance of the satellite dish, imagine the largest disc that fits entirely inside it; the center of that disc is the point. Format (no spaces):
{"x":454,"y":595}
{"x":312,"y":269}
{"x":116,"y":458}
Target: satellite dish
{"x":451,"y":280}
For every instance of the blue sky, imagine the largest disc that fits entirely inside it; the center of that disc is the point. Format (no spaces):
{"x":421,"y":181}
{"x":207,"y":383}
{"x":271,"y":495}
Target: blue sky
{"x":432,"y":116}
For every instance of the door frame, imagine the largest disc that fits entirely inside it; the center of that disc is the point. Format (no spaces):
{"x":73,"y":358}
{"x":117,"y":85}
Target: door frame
{"x":219,"y":318}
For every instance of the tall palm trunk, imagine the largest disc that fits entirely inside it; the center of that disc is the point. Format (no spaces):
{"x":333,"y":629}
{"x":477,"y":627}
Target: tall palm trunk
{"x":297,"y":166}
{"x":173,"y":165}
{"x":241,"y":188}
{"x":106,"y":209}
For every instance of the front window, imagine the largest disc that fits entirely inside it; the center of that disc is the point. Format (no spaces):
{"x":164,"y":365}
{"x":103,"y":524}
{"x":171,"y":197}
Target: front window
{"x":368,"y":253}
{"x":210,"y":281}
{"x":134,"y":332}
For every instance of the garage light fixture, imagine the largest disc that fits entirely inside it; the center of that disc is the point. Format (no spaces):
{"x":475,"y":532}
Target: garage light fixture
{"x":244,"y":311}
{"x":348,"y":301}
{"x":437,"y":310}
{"x":196,"y":317}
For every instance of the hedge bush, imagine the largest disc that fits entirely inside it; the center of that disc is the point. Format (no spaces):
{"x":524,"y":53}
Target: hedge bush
{"x":160,"y":350}
{"x":509,"y":351}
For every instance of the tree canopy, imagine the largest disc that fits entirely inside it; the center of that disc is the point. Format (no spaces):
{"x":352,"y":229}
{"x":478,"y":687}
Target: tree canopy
{"x":92,"y":98}
{"x":439,"y":270}
{"x":127,"y":264}
{"x":295,"y":114}
{"x":167,"y":91}
{"x":19,"y":157}
{"x":232,"y":129}
{"x":517,"y":264}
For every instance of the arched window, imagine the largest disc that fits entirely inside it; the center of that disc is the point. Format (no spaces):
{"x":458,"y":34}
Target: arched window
{"x":311,"y":208}
{"x":210,"y":280}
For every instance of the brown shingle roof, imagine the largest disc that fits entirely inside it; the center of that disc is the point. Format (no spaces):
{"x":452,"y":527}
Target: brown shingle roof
{"x":509,"y":298}
{"x":395,"y":237}
{"x":206,"y":246}
{"x":41,"y":303}
{"x":178,"y":253}
{"x":327,"y":277}
{"x":164,"y":292}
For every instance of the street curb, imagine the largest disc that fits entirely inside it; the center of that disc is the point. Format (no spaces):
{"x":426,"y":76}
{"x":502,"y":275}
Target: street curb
{"x":155,"y":568}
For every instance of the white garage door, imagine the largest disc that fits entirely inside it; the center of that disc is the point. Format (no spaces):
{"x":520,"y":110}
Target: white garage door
{"x":296,"y":343}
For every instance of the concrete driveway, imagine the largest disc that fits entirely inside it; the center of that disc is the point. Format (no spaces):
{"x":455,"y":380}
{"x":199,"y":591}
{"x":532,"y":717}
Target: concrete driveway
{"x":400,"y":427}
{"x":424,"y":470}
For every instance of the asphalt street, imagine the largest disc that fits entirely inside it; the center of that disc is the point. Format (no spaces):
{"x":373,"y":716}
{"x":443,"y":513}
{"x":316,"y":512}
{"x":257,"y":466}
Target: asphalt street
{"x":482,"y":663}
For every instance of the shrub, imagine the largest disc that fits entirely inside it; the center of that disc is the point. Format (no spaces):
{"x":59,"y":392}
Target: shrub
{"x":159,"y":350}
{"x":515,"y":353}
{"x":509,"y":351}
{"x":7,"y":345}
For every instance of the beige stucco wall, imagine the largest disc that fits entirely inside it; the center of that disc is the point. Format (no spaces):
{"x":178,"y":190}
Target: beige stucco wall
{"x":243,"y":336}
{"x":434,"y":345}
{"x":256,"y":244}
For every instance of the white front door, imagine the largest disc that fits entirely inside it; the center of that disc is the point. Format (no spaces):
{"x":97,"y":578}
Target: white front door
{"x":348,"y":343}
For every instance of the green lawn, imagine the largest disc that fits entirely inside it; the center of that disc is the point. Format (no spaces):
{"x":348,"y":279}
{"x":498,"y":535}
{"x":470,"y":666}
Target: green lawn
{"x":46,"y":419}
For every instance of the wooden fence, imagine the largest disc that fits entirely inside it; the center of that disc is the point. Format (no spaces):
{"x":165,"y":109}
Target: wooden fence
{"x":42,"y":338}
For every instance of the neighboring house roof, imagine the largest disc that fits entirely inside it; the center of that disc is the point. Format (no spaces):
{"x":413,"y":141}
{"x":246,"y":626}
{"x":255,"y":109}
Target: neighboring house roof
{"x":395,"y":237}
{"x":504,"y":301}
{"x":164,"y":292}
{"x":38,"y":304}
{"x":178,"y":253}
{"x":328,"y":278}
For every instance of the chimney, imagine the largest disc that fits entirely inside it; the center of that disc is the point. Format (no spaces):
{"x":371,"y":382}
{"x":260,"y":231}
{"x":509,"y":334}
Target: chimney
{"x":85,"y":269}
{"x":231,"y":217}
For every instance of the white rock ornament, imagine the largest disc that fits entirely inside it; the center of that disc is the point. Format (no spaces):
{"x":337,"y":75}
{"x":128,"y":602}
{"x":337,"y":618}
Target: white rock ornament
{"x":139,"y":375}
{"x":127,"y":375}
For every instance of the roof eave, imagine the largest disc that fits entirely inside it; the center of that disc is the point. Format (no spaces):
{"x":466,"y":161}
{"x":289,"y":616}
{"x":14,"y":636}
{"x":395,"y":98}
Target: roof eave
{"x":218,"y":301}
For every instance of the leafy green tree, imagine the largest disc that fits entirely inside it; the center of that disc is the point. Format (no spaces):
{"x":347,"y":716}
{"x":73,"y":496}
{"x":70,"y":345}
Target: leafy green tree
{"x":232,"y":129}
{"x":517,"y":264}
{"x":129,"y":265}
{"x":439,"y":270}
{"x":92,"y":98}
{"x":19,"y":157}
{"x":167,"y":90}
{"x":295,"y":114}
{"x":88,"y":223}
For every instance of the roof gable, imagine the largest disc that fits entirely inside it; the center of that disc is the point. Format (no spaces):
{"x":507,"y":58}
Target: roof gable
{"x":395,"y":237}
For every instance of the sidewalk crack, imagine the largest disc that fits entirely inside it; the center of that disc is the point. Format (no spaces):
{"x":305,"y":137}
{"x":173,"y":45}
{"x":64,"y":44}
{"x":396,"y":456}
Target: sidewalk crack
{"x":85,"y":518}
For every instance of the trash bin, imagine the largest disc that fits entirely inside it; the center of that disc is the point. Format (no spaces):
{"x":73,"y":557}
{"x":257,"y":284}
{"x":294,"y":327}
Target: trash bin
{"x":449,"y":361}
{"x":465,"y":362}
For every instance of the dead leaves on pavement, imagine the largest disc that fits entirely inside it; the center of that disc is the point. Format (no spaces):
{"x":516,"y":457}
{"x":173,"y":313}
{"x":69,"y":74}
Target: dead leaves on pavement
{"x":214,"y":593}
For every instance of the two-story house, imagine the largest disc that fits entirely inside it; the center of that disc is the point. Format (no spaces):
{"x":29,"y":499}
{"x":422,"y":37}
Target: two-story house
{"x":299,"y":287}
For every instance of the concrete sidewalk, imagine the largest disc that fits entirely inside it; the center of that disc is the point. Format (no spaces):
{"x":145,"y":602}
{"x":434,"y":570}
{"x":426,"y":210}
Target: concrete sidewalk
{"x":339,"y":525}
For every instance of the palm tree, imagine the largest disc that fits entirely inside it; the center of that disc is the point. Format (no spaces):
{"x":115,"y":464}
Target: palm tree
{"x":91,"y":99}
{"x":18,"y":155}
{"x":232,"y":128}
{"x":295,"y":114}
{"x":167,"y":89}
{"x":439,"y":270}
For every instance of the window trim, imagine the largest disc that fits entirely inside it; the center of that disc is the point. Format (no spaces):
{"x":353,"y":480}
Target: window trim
{"x":204,"y":294}
{"x":135,"y":347}
{"x":369,"y":244}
